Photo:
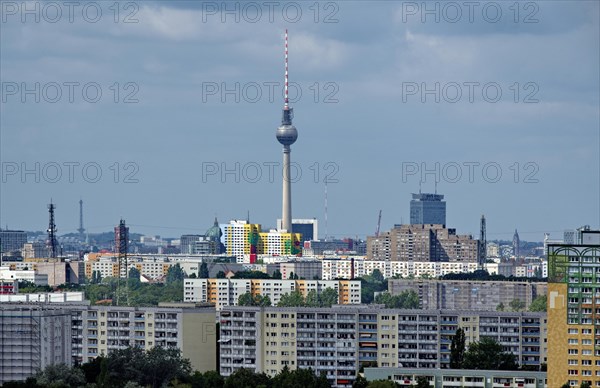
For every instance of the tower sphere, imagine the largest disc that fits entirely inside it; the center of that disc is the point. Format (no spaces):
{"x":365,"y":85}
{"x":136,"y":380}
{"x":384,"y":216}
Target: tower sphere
{"x":286,"y":134}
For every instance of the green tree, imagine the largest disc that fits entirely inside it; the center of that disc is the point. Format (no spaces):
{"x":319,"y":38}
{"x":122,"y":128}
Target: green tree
{"x":585,"y":384}
{"x":377,"y":276}
{"x":517,"y":305}
{"x":92,"y":369}
{"x":407,"y":299}
{"x":134,"y":273}
{"x":96,"y":277}
{"x":312,"y":299}
{"x":299,"y":378}
{"x":175,"y":274}
{"x":245,"y":378}
{"x":328,"y":297}
{"x":220,"y":275}
{"x":539,"y":304}
{"x":203,"y":272}
{"x":487,"y":354}
{"x":360,"y":382}
{"x":500,"y":307}
{"x":292,"y":299}
{"x":246,"y":299}
{"x":276,"y":274}
{"x":60,"y":376}
{"x":457,"y":349}
{"x":422,"y":382}
{"x":382,"y":384}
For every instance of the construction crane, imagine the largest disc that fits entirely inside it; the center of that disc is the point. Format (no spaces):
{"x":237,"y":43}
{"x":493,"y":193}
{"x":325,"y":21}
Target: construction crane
{"x":378,"y":225}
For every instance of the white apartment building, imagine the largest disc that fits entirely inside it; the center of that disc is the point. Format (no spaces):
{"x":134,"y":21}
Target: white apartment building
{"x":24,"y":275}
{"x":358,"y":267}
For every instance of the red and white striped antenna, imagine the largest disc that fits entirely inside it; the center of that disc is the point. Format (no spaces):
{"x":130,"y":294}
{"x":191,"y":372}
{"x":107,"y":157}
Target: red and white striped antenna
{"x":286,"y":100}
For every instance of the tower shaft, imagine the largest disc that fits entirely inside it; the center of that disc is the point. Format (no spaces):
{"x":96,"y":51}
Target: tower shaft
{"x":286,"y":211}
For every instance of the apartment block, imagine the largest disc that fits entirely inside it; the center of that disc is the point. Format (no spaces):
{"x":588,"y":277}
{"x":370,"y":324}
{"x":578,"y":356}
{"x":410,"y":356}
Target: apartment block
{"x":338,"y":340}
{"x":31,"y":338}
{"x":241,"y":238}
{"x":574,"y":311}
{"x":99,"y":330}
{"x":351,"y":268}
{"x":279,"y":243}
{"x":468,"y":294}
{"x":422,"y":242}
{"x":451,"y":378}
{"x":226,"y":292}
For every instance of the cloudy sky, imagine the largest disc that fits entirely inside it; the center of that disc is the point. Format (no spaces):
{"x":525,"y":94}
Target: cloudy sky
{"x":165,"y":113}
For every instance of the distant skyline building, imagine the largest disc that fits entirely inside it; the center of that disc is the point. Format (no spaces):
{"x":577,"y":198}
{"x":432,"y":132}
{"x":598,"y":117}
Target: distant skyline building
{"x":309,"y":228}
{"x":422,"y":243}
{"x":426,"y":208}
{"x":516,"y":244}
{"x":286,"y":135}
{"x":12,"y":240}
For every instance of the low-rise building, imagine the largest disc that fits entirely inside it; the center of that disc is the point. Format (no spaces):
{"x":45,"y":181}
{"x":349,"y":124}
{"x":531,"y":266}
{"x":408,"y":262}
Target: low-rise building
{"x":443,"y":378}
{"x":24,"y":275}
{"x":301,"y":269}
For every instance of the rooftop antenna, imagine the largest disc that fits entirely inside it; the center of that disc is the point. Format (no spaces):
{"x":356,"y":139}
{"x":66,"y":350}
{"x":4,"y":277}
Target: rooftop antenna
{"x":420,"y":182}
{"x":51,"y":243}
{"x":435,"y":181}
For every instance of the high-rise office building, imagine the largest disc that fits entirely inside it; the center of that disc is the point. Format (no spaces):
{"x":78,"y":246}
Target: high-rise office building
{"x":574,"y":311}
{"x":12,"y":240}
{"x":427,"y":209}
{"x":307,"y":227}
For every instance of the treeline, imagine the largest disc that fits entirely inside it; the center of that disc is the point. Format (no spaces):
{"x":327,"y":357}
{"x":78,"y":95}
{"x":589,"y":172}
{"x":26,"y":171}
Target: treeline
{"x":108,"y":290}
{"x":326,"y":298}
{"x":159,"y":367}
{"x":484,"y":275}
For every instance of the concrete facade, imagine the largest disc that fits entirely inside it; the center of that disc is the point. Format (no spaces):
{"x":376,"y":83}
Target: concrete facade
{"x":338,"y":340}
{"x":468,"y":294}
{"x":31,"y":338}
{"x":425,"y":242}
{"x":444,"y":378}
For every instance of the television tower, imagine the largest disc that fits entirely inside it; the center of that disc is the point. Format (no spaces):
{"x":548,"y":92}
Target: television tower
{"x":286,"y":135}
{"x":51,"y":242}
{"x":81,"y":230}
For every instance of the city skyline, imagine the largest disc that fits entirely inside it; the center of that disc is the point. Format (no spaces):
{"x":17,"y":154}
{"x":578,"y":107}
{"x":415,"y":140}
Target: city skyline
{"x":376,"y":140}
